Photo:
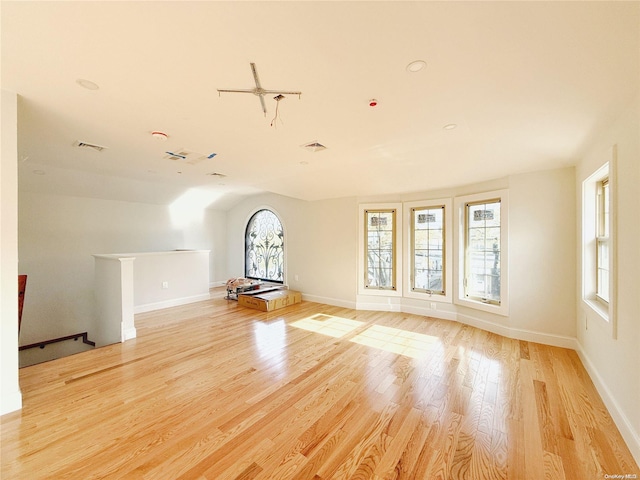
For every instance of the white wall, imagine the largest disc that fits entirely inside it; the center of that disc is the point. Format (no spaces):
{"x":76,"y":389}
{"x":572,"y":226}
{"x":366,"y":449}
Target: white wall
{"x":215,"y":229}
{"x":11,"y":398}
{"x":58,"y":235}
{"x":329,"y":258}
{"x":542,"y":243}
{"x":614,"y":364}
{"x":186,"y":274}
{"x":113,"y":294}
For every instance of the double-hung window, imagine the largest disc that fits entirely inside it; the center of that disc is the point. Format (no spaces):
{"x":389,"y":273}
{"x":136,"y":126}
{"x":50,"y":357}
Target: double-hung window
{"x":602,"y":240}
{"x":598,"y":245}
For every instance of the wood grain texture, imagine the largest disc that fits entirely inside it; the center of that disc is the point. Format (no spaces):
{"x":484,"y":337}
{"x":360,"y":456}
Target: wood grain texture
{"x":212,"y":390}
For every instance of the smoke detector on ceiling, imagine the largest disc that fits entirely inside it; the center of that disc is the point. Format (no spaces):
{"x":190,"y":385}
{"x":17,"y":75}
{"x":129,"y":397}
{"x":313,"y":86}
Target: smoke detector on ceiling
{"x":90,"y":146}
{"x":159,"y":135}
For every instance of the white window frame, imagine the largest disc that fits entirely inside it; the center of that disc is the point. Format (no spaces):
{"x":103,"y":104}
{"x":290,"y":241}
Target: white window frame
{"x":447,"y":297}
{"x":362,"y":267}
{"x":460,"y":232}
{"x":595,"y":306}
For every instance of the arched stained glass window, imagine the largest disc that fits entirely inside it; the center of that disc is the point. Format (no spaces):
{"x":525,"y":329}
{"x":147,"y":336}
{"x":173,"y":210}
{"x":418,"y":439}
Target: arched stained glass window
{"x":264,"y":247}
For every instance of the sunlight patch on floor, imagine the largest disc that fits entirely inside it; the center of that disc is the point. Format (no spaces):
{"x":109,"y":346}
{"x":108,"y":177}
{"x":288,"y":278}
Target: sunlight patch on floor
{"x":270,"y":337}
{"x":395,"y":340}
{"x":329,"y":325}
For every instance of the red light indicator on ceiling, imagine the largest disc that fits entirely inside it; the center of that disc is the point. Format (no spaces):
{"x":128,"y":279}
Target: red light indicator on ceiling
{"x":373,"y":102}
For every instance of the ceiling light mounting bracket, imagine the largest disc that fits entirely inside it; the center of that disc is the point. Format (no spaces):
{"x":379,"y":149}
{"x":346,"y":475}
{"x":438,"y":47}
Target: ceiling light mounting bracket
{"x":259,"y":91}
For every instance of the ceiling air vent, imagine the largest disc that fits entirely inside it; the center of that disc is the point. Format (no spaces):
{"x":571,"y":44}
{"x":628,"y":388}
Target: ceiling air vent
{"x":176,"y":155}
{"x":186,"y":156}
{"x":313,"y":147}
{"x":90,"y":146}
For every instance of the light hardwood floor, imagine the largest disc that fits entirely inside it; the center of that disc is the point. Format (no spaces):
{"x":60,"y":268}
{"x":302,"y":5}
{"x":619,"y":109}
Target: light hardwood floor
{"x":212,"y":390}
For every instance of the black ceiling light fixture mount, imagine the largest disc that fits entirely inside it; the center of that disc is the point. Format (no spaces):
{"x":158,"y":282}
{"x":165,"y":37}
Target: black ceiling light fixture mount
{"x":259,"y":91}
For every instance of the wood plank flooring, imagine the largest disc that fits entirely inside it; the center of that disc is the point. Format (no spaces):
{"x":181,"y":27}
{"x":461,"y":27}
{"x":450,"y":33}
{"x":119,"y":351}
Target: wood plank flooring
{"x":216,"y":391}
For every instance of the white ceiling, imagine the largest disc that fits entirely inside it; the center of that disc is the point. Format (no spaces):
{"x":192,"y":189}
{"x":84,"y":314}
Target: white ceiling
{"x":528,"y":85}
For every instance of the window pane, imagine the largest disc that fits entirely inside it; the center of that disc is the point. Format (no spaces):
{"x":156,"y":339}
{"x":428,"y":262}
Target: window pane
{"x":483,"y":251}
{"x":421,"y":239}
{"x":264,"y":247}
{"x":380,"y":249}
{"x":605,"y":208}
{"x":603,"y":270}
{"x":421,"y":260}
{"x":435,"y":281}
{"x":603,"y":255}
{"x":380,"y":239}
{"x":603,"y":284}
{"x":435,"y":239}
{"x":602,"y":240}
{"x":428,"y":249}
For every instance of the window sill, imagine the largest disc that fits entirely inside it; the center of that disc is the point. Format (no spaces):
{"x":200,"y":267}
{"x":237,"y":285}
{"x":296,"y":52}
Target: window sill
{"x":501,"y":309}
{"x":600,"y":309}
{"x":384,"y":292}
{"x":428,"y":297}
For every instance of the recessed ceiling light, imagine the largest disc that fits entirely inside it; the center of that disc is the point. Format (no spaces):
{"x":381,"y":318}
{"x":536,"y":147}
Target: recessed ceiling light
{"x":88,"y":84}
{"x":450,"y":126}
{"x":416,"y":66}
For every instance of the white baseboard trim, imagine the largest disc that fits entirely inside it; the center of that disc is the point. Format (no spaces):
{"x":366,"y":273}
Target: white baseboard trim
{"x":519,"y":334}
{"x":174,"y":302}
{"x":219,"y":283}
{"x":11,"y":402}
{"x":128,"y":333}
{"x":515,"y":333}
{"x":428,"y":312}
{"x":329,"y":301}
{"x":630,"y":435}
{"x":379,"y":307}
